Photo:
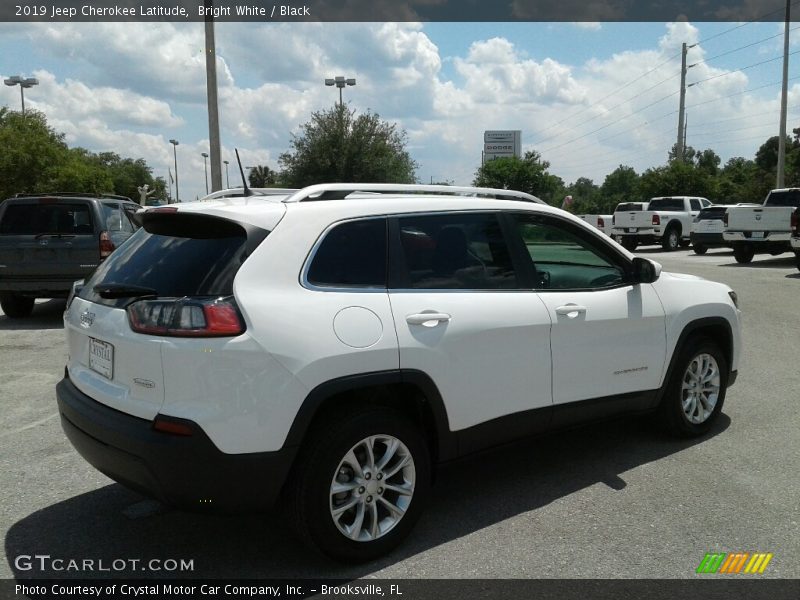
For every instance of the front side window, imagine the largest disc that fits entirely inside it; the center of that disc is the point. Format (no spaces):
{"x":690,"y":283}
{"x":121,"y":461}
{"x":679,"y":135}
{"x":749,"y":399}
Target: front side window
{"x":461,"y":251}
{"x":352,"y":254}
{"x":565,"y":258}
{"x":695,"y":204}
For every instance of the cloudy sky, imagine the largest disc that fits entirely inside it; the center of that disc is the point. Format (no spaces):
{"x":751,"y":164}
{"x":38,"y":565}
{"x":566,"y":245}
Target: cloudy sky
{"x":587,"y":96}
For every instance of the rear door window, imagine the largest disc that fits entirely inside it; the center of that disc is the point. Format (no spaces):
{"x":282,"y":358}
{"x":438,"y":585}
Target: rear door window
{"x":45,"y":218}
{"x":465,"y":251}
{"x":675,"y":204}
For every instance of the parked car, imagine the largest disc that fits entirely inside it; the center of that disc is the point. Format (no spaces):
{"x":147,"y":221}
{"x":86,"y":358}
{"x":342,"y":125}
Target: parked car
{"x":48,"y":241}
{"x":666,"y":221}
{"x":708,"y":226}
{"x":331,"y":347}
{"x":601,"y":222}
{"x":624,"y":207}
{"x":766,"y":228}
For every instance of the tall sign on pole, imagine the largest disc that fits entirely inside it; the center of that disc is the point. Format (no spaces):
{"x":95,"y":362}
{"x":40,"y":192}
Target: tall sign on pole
{"x":501,"y":144}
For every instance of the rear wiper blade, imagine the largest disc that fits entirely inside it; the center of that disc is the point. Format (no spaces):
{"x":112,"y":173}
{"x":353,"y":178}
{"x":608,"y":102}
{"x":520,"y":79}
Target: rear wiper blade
{"x":122,"y":290}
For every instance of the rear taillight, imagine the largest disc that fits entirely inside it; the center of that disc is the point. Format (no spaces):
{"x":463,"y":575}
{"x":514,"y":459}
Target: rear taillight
{"x":656,"y":220}
{"x":725,"y":219}
{"x":106,"y":245}
{"x":794,"y":221}
{"x":601,"y":222}
{"x":613,"y":219}
{"x":186,"y":317}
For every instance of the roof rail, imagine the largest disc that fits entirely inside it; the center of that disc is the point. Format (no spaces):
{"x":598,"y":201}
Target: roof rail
{"x":339,"y":191}
{"x":70,"y":195}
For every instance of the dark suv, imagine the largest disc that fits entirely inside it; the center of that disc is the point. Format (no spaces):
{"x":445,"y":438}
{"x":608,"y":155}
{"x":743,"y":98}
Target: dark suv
{"x":48,"y":241}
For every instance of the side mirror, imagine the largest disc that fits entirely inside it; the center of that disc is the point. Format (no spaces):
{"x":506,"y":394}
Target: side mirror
{"x":645,"y":270}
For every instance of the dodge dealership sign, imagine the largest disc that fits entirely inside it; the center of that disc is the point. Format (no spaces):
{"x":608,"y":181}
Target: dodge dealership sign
{"x":499,"y":144}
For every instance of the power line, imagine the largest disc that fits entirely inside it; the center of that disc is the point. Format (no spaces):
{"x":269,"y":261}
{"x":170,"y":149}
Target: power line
{"x":763,"y":62}
{"x":607,"y":96}
{"x":766,"y":85}
{"x":772,"y":37}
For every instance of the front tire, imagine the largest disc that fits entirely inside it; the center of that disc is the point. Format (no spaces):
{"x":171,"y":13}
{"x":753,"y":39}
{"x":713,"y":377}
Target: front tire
{"x":743,"y":253}
{"x":360,"y":484}
{"x":696,"y":389}
{"x":698,"y":249}
{"x":15,"y":306}
{"x":671,"y":240}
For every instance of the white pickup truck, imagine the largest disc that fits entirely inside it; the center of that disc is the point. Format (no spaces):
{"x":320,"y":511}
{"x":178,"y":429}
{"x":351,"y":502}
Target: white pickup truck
{"x":601,"y":222}
{"x":765,"y":228}
{"x":667,"y":221}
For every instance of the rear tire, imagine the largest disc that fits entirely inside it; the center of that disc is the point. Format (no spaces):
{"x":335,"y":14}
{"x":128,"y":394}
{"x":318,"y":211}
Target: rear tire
{"x":699,"y":249}
{"x":16,"y":306}
{"x":743,"y":253}
{"x":629,"y":244}
{"x":671,"y":239}
{"x":695,"y":393}
{"x":347,"y":455}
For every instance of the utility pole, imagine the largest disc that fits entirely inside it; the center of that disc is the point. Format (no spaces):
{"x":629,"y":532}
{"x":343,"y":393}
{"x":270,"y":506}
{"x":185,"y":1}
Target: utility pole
{"x":213,"y":105}
{"x":681,"y":129}
{"x":685,"y":127}
{"x":784,"y":92}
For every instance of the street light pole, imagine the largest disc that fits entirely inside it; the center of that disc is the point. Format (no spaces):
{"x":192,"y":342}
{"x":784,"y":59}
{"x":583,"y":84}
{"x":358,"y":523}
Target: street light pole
{"x":340,"y":82}
{"x":227,"y":178}
{"x":205,"y":167}
{"x":211,"y":92}
{"x":175,"y":155}
{"x":22,"y":83}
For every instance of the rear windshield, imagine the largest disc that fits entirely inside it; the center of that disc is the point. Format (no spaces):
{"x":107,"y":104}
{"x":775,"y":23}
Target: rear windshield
{"x":629,"y":206}
{"x":666,"y":204}
{"x":784,"y":198}
{"x":36,"y":219}
{"x":177,"y":256}
{"x":715,"y":213}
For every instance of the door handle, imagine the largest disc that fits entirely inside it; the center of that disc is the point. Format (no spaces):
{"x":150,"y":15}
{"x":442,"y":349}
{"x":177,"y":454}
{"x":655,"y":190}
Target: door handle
{"x":571,"y":310}
{"x":427,"y":319}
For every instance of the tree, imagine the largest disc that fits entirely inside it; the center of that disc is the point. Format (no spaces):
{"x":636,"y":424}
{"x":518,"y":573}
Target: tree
{"x":261,"y":176}
{"x":708,"y":161}
{"x":621,"y":185}
{"x":338,"y":146}
{"x":78,"y":172}
{"x":527,"y":174}
{"x":29,"y":149}
{"x":677,"y":179}
{"x":688,"y":153}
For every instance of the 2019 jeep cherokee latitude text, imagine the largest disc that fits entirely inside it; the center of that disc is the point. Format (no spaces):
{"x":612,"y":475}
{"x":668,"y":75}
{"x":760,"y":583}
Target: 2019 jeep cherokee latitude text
{"x":330,"y":350}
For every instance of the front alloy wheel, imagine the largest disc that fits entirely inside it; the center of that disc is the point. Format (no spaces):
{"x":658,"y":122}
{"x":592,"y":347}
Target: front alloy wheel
{"x":695,"y":392}
{"x":700,"y":389}
{"x":372,"y":488}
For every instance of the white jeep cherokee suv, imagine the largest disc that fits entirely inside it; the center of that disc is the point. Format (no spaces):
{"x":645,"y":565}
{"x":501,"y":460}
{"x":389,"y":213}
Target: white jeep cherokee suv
{"x":329,"y":347}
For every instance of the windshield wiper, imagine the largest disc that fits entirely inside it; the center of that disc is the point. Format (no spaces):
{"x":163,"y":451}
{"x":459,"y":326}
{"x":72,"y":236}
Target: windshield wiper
{"x":110,"y":291}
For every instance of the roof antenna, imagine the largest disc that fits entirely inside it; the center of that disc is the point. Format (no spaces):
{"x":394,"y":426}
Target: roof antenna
{"x":247,"y":190}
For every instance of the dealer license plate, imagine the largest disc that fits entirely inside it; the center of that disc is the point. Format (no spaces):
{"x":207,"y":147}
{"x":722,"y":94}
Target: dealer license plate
{"x":631,"y":229}
{"x":101,"y":358}
{"x":757,"y":234}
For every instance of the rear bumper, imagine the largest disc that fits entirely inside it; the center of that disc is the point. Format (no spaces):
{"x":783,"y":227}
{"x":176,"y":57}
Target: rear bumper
{"x":185,"y":471}
{"x":707,"y":239}
{"x":746,"y":236}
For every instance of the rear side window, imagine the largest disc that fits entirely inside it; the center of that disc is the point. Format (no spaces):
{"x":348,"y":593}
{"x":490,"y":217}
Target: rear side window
{"x":464,"y":251}
{"x":352,"y":254}
{"x":36,"y":219}
{"x":176,"y":256}
{"x":675,"y":204}
{"x":785,"y":198}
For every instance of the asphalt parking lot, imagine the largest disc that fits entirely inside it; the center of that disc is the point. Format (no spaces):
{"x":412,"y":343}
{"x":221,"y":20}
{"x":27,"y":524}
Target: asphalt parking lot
{"x":618,"y":500}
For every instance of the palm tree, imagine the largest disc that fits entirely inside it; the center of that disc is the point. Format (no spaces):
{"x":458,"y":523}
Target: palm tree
{"x":261,"y":176}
